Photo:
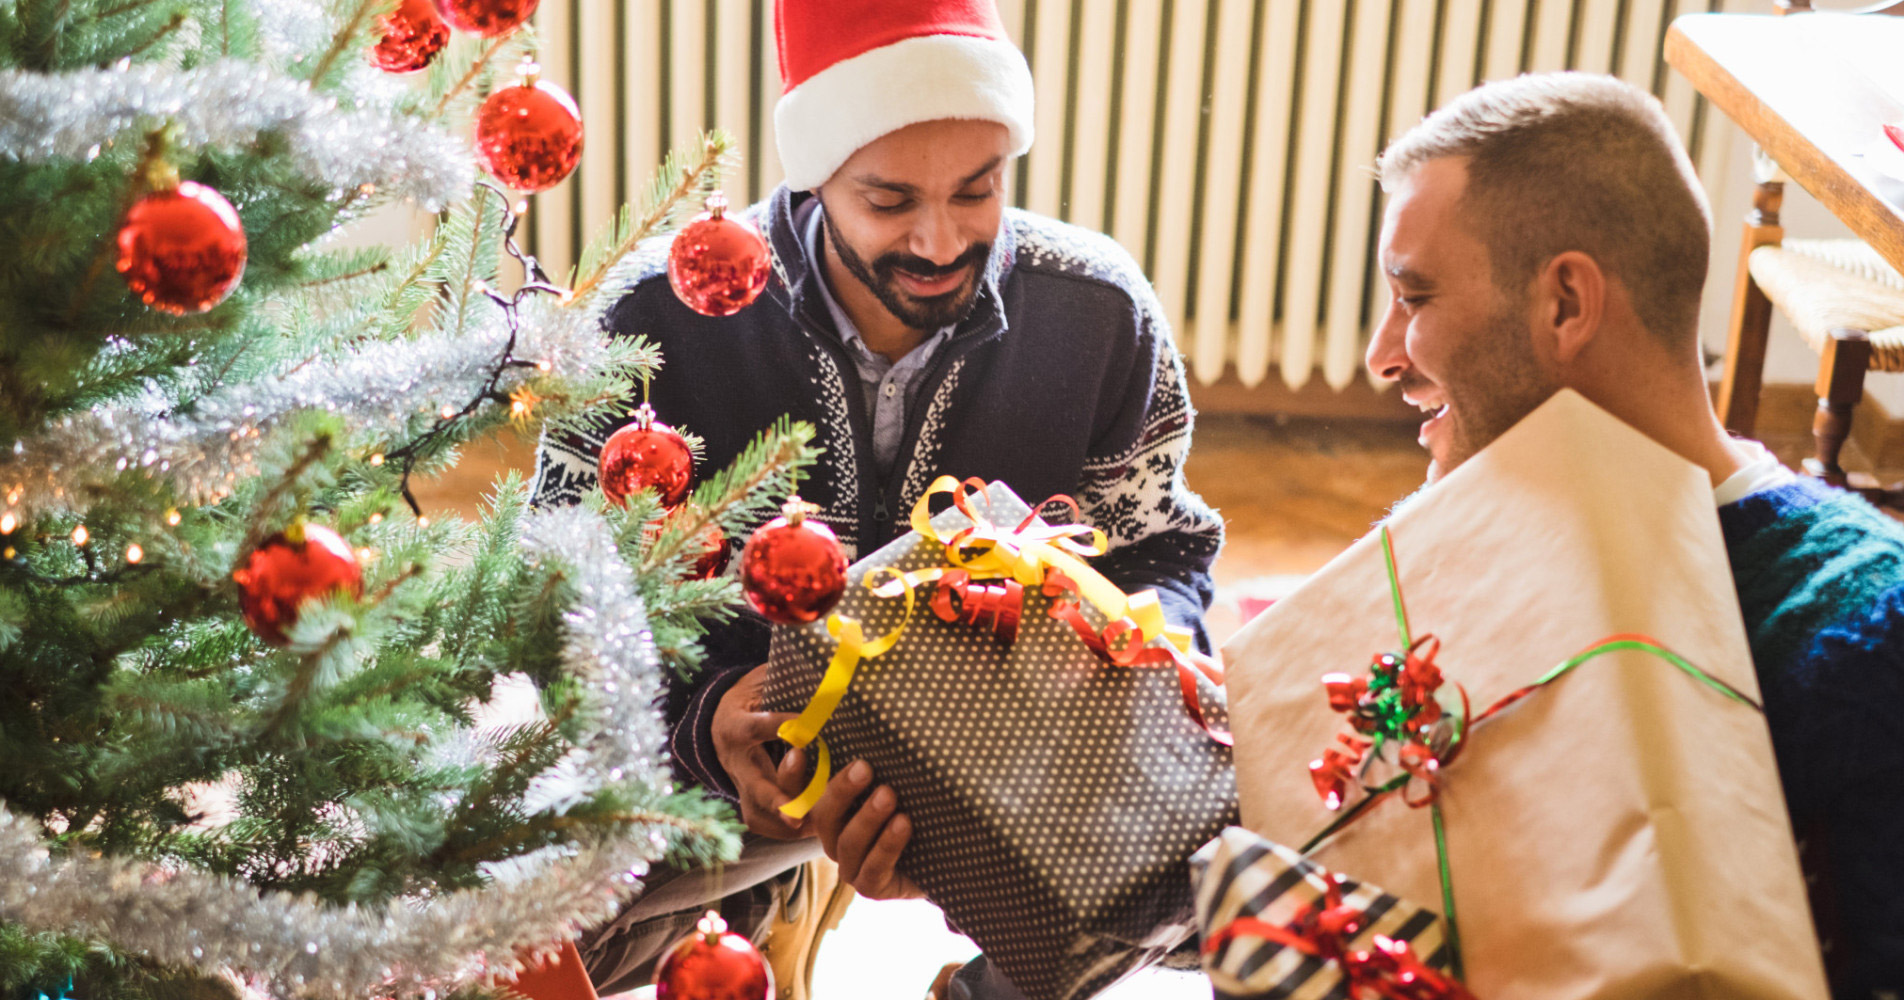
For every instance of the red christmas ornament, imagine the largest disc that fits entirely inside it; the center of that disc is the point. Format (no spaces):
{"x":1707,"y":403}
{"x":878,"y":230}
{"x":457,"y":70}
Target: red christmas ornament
{"x":713,"y":964}
{"x":182,"y":249}
{"x":486,"y":17}
{"x":717,"y":265}
{"x":713,"y":543}
{"x":412,"y":36}
{"x":530,"y":134}
{"x":646,"y":454}
{"x":713,"y":554}
{"x":793,"y":570}
{"x":304,"y":562}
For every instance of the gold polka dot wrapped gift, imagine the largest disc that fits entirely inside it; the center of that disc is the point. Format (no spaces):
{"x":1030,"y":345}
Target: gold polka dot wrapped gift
{"x":1057,"y":755}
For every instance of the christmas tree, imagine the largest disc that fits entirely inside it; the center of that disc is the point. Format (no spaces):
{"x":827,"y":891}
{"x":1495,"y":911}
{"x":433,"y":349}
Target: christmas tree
{"x":239,"y":663}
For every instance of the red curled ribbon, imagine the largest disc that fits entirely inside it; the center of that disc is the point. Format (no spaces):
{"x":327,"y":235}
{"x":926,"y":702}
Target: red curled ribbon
{"x":1122,"y":643}
{"x":1338,"y":768}
{"x":1388,"y":971}
{"x":1002,"y":603}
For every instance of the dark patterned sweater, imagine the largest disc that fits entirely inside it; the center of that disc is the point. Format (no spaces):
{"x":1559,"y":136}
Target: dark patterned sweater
{"x":1820,"y":575}
{"x":1063,"y":379}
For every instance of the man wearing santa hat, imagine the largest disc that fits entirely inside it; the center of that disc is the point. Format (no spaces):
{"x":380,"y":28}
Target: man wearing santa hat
{"x":923,"y":329}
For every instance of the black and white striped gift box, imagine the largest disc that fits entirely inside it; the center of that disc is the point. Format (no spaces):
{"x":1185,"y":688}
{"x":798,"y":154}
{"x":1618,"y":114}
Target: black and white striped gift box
{"x":1239,"y":874}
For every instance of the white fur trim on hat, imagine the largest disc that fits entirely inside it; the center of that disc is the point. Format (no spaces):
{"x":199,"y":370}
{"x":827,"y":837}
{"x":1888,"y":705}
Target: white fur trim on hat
{"x":833,"y":113}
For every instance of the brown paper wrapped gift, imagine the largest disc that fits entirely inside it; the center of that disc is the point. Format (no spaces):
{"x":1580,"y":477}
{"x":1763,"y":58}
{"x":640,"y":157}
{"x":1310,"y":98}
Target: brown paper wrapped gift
{"x":1619,"y":832}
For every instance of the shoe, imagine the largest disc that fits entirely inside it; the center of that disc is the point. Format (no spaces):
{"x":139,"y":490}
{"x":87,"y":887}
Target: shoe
{"x":942,"y":983}
{"x":811,"y":905}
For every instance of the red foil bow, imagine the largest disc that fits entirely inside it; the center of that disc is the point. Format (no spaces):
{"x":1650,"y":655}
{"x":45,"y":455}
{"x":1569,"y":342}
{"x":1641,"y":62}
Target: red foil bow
{"x":1396,"y":703}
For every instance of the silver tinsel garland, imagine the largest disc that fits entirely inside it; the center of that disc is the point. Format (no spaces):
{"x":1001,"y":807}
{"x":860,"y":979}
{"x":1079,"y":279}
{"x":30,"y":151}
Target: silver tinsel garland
{"x":227,"y":104}
{"x":608,"y":645}
{"x":297,"y":946}
{"x":201,"y":454}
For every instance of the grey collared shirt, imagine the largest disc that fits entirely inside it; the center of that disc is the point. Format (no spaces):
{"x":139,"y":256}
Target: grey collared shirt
{"x":891,"y":387}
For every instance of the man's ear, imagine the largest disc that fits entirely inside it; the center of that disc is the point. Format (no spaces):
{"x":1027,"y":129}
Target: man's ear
{"x":1571,"y":291}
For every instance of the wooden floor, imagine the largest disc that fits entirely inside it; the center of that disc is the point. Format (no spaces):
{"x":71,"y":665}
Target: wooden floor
{"x":1293,"y":494}
{"x":1296,"y":492}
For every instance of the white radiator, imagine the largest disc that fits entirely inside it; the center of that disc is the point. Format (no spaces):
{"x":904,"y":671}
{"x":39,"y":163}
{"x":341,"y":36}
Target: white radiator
{"x":1228,"y":144}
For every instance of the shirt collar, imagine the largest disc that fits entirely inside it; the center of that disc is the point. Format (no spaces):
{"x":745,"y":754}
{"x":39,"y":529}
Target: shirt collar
{"x":1761,"y":471}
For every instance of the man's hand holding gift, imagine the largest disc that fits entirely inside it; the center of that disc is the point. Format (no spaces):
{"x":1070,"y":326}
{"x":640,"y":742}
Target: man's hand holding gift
{"x":864,"y":834}
{"x":742,"y":731}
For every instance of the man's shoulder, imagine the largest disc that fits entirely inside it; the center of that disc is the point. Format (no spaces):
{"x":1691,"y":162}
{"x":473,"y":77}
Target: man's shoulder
{"x":1806,"y":517}
{"x":1805,"y":555}
{"x":1047,"y":248}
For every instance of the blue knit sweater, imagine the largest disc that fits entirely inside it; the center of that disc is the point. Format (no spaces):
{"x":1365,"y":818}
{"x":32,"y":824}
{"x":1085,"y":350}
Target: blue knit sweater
{"x":1820,"y":575}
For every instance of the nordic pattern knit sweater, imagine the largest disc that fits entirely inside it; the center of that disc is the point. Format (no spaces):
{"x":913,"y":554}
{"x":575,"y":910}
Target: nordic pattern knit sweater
{"x":1820,"y":575}
{"x":1063,"y":379}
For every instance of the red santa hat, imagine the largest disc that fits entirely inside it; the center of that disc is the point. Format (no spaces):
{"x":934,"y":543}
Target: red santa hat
{"x":854,"y":70}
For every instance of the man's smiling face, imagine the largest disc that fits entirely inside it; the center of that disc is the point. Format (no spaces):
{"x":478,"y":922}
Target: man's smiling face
{"x":1459,"y":347}
{"x":912,"y":216}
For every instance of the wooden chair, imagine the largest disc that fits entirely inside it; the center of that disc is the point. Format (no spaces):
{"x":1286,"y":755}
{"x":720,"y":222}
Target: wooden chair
{"x":1843,"y":298}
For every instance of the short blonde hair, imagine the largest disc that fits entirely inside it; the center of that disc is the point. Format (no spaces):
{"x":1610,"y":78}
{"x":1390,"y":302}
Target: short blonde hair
{"x":1575,"y":161}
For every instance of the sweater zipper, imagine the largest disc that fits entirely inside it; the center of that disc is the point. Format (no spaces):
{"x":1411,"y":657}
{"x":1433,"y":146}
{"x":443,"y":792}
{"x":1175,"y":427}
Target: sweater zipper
{"x":861,"y":425}
{"x":874,"y":530}
{"x":955,"y":346}
{"x":885,"y":493}
{"x":915,"y":424}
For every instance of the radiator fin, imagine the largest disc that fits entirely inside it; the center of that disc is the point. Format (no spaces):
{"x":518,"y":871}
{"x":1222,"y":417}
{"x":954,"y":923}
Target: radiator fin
{"x":1228,"y":144}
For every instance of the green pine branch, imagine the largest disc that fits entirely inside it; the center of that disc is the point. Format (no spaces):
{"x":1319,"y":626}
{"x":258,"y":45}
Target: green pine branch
{"x":671,"y":191}
{"x":353,"y":36}
{"x":759,"y":479}
{"x":469,"y":261}
{"x":468,"y":67}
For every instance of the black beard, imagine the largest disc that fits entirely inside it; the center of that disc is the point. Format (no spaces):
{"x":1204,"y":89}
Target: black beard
{"x":917,"y":313}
